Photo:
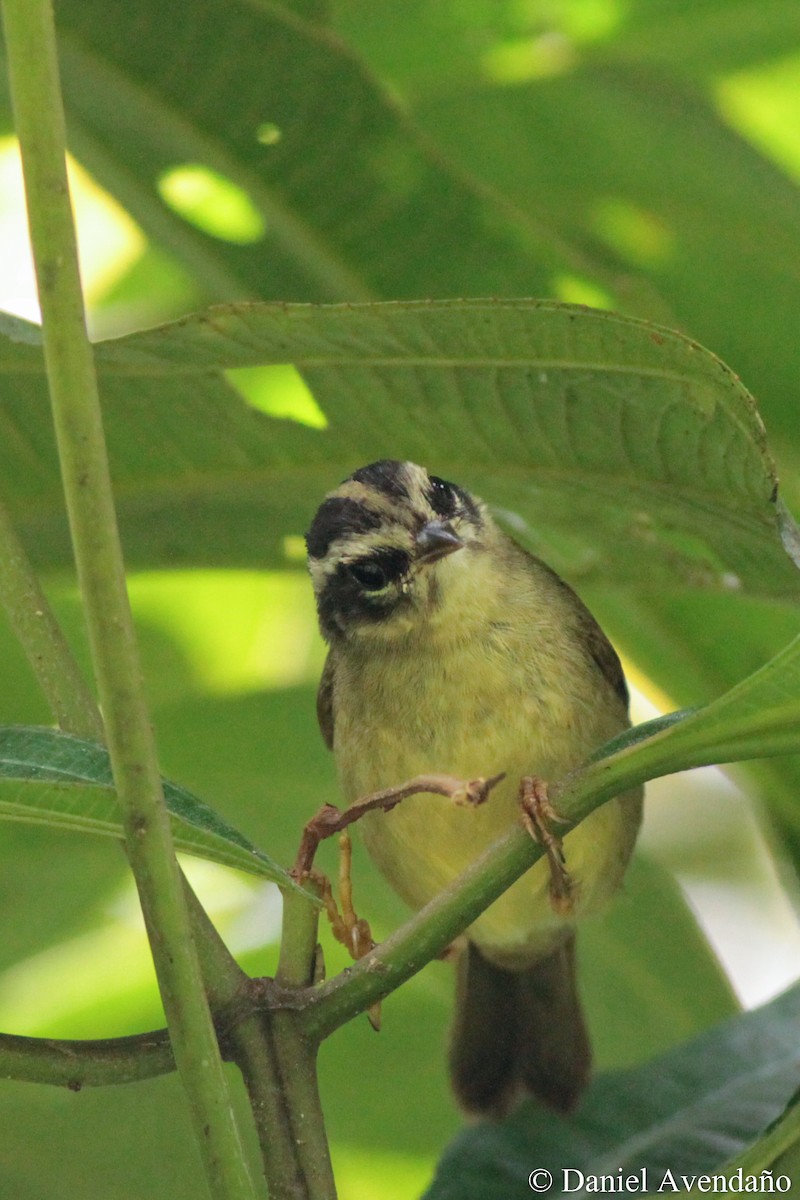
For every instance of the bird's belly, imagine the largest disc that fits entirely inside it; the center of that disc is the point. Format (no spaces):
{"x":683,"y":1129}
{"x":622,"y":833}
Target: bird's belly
{"x":427,"y":840}
{"x":424,"y":843}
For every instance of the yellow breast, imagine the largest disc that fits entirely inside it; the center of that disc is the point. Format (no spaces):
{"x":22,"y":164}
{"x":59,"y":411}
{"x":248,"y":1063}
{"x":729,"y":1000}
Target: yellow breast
{"x":475,"y":706}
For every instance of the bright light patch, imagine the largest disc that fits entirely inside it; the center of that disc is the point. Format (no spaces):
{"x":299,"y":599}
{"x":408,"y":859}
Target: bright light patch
{"x":591,"y":20}
{"x":239,"y":631}
{"x":17,"y":280}
{"x":529,"y":58}
{"x":636,"y":235}
{"x":279,"y":391}
{"x":294,"y":548}
{"x":551,"y":37}
{"x":763,"y":104}
{"x":212,"y":203}
{"x":364,"y":1173}
{"x":109,"y":241}
{"x":101,"y":983}
{"x":574,"y":289}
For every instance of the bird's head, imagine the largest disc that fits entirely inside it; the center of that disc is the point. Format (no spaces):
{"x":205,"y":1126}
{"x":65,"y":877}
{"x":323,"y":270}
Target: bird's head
{"x":390,"y":548}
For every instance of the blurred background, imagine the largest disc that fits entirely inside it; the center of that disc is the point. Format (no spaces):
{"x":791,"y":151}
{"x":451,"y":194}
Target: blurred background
{"x":646,"y":156}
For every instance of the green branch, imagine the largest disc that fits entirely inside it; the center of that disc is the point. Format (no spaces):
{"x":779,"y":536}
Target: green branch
{"x":38,"y":111}
{"x":82,"y":1063}
{"x":296,"y":1052}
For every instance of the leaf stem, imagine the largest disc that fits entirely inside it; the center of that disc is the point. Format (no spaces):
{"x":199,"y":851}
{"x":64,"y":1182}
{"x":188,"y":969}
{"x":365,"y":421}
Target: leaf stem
{"x":300,"y":924}
{"x":36,"y":98}
{"x":42,"y":639}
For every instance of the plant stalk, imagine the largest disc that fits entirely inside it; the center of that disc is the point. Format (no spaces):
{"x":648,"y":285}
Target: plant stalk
{"x":38,"y":632}
{"x":296,"y":1052}
{"x":80,"y":1063}
{"x":36,"y":98}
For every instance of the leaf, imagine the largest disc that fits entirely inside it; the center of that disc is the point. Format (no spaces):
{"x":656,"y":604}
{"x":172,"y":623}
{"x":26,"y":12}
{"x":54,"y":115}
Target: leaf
{"x":704,"y":37}
{"x":352,"y":199}
{"x":687,"y":1112}
{"x":55,"y":779}
{"x":638,"y":163}
{"x":639,"y":453}
{"x":758,"y":718}
{"x":648,"y":976}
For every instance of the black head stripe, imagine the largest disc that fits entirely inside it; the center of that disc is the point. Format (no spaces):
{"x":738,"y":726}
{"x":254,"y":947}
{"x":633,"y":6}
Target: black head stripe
{"x":448,"y":500}
{"x":442,"y":496}
{"x":336,"y":517}
{"x":345,"y":603}
{"x":385,"y":476}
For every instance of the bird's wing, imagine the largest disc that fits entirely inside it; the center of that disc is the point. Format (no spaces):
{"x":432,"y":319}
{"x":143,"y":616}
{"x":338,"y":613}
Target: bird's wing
{"x":325,"y":703}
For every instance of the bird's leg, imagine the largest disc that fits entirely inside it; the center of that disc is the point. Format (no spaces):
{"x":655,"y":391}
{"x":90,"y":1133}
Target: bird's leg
{"x":329,"y":820}
{"x":537,"y":815}
{"x":350,"y":930}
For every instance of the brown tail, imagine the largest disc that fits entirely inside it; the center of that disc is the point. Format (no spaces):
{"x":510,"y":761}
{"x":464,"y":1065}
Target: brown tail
{"x":518,"y":1032}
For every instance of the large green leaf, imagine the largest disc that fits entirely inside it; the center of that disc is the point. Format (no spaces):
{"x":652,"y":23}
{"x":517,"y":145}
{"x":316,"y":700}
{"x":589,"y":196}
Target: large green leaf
{"x":680,"y":199}
{"x":687,"y":1112}
{"x":283,"y":110}
{"x":619,"y":450}
{"x":55,"y":779}
{"x":434,"y":46}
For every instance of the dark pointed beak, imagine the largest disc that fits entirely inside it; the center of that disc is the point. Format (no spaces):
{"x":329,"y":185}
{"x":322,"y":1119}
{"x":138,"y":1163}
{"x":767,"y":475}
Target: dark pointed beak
{"x":436,"y":540}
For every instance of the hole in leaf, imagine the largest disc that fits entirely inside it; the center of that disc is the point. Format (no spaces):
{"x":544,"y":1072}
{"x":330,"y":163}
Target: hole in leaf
{"x":268,"y":134}
{"x":212,"y":203}
{"x":280,"y":391}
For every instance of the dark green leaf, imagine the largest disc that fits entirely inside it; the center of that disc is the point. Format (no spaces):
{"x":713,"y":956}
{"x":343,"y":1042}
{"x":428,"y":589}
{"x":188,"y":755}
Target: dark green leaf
{"x":54,"y":779}
{"x":687,"y":1112}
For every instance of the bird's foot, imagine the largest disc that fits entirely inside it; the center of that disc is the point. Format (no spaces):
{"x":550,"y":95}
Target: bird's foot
{"x":330,"y":820}
{"x":537,"y":816}
{"x":350,"y":930}
{"x":472,"y":792}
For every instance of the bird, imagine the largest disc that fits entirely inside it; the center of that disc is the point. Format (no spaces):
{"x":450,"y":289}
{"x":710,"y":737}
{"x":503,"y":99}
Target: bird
{"x":453,"y":649}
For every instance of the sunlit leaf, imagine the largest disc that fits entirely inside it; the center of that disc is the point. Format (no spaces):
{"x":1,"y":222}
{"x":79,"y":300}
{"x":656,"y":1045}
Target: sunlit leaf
{"x":340,"y":172}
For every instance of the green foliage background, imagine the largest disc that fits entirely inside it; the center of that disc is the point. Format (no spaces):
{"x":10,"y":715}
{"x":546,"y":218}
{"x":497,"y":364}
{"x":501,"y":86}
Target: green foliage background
{"x":638,"y":156}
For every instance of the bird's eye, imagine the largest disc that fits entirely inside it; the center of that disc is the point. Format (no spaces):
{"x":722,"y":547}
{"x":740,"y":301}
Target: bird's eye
{"x":442,"y":496}
{"x":369,"y":575}
{"x":376,"y":571}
